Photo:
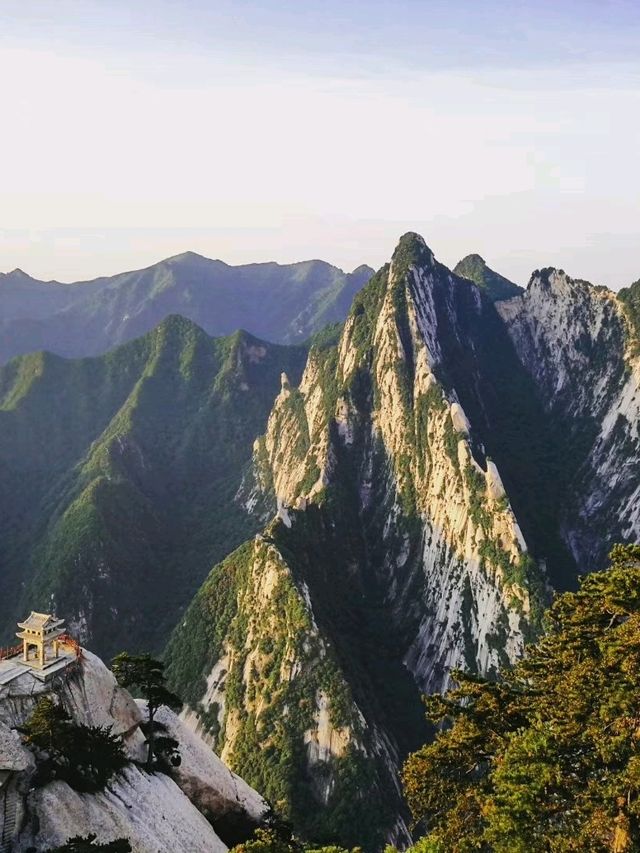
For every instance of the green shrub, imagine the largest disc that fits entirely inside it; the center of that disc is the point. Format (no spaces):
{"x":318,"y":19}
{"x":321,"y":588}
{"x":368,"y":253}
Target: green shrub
{"x":85,"y":757}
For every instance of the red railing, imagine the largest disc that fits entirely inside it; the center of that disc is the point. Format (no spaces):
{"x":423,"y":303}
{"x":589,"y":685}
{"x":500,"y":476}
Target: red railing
{"x":68,"y":640}
{"x":10,"y":652}
{"x":63,"y":639}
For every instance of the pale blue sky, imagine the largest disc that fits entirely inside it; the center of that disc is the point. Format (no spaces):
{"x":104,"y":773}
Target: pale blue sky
{"x":281,"y":130}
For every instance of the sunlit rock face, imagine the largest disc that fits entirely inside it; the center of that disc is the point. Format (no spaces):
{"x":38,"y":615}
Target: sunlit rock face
{"x":202,"y":805}
{"x":393,"y":556}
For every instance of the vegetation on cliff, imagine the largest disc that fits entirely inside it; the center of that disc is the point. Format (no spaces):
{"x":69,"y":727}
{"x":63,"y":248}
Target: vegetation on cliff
{"x":278,"y":674}
{"x":147,"y":675}
{"x":630,"y":298}
{"x":84,"y":756}
{"x":546,"y":758}
{"x":88,"y":844}
{"x":496,"y":286}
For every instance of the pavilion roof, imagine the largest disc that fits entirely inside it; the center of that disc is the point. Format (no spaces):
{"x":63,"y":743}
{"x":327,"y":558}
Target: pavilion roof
{"x":40,"y":621}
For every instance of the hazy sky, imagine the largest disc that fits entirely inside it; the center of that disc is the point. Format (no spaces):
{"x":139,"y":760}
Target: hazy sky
{"x":288,"y":130}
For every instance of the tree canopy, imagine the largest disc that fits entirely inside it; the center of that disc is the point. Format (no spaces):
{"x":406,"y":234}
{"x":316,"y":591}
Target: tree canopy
{"x":147,"y":674}
{"x":84,"y":756}
{"x":88,"y":844}
{"x":548,"y":758}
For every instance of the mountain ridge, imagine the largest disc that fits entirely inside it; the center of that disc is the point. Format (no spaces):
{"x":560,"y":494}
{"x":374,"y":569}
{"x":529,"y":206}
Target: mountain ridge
{"x":392,"y":532}
{"x":123,"y":467}
{"x":283,"y":303}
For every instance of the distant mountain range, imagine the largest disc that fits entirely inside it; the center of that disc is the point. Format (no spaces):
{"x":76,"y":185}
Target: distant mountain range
{"x":279,"y":303}
{"x":395,"y":498}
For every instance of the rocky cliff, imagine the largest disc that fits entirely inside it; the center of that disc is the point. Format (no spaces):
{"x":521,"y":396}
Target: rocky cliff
{"x":579,"y":344}
{"x":395,"y":555}
{"x":200,"y":808}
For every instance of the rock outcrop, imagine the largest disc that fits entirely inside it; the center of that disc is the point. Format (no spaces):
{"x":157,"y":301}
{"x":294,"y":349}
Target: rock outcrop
{"x":200,"y":806}
{"x":577,"y":343}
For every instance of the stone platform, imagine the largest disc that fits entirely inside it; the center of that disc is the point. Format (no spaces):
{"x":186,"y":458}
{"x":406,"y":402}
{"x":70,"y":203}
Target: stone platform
{"x":15,"y":667}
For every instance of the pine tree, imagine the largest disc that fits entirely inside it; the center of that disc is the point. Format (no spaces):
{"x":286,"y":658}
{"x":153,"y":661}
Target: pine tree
{"x":84,"y":756}
{"x":548,"y":759}
{"x":147,"y":674}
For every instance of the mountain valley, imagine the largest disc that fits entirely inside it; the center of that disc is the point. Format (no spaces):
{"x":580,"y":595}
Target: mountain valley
{"x":317,"y":532}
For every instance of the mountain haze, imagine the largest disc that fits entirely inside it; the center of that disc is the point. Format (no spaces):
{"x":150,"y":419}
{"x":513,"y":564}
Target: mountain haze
{"x":280,"y":303}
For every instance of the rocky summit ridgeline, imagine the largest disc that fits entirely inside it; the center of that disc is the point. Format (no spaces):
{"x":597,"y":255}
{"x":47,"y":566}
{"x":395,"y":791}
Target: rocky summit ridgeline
{"x":394,"y":500}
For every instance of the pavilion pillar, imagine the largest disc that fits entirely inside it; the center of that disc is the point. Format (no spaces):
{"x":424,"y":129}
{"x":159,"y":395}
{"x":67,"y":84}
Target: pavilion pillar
{"x":42,"y":655}
{"x":25,"y":650}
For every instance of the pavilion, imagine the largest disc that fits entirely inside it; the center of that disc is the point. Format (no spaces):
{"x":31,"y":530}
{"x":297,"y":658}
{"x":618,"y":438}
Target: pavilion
{"x":40,"y":631}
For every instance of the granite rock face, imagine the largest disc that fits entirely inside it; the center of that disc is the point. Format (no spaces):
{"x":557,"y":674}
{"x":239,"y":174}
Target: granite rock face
{"x":578,"y":345}
{"x":155,"y":812}
{"x":391,"y":555}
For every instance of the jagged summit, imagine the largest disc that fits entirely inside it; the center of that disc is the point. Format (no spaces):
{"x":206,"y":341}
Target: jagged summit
{"x":553,"y":278}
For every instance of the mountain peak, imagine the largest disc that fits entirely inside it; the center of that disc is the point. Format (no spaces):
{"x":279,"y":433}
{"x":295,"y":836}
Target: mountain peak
{"x":17,"y":273}
{"x":192,"y":257}
{"x":474,"y":268}
{"x":474,"y":259}
{"x":411,"y":251}
{"x":178,"y":323}
{"x":363,"y":270}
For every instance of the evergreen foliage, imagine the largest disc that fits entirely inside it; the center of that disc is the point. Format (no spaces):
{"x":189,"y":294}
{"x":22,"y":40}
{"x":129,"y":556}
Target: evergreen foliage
{"x":496,"y":286}
{"x":85,"y":757}
{"x":147,"y":674}
{"x":630,"y":298}
{"x":546,"y":760}
{"x":276,"y":839}
{"x":88,"y":844}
